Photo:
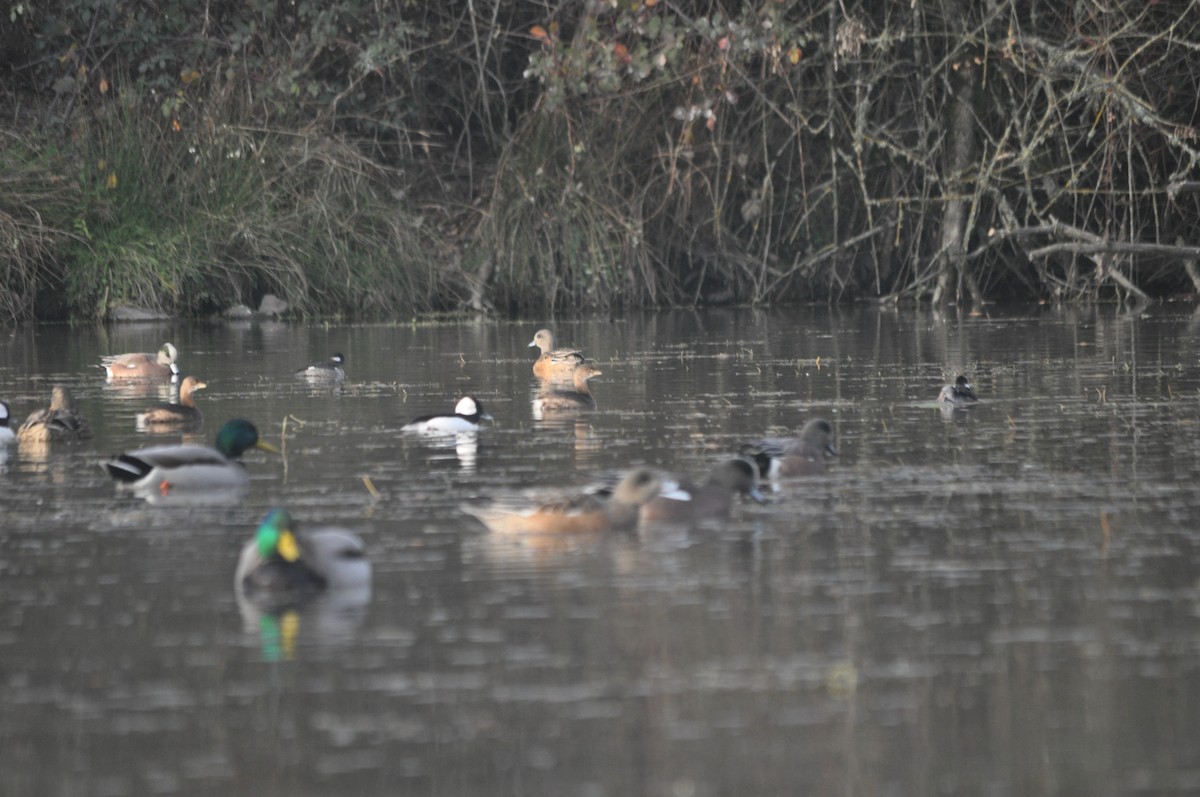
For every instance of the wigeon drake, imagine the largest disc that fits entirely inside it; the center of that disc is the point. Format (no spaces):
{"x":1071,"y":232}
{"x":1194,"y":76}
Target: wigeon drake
{"x":793,"y":456}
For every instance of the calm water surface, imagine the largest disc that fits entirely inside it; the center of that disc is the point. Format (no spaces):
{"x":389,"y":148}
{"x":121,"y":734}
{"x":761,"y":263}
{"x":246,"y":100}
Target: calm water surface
{"x":1000,"y":601}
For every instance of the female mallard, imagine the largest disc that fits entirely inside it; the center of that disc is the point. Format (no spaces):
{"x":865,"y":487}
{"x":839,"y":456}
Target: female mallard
{"x":185,"y":413}
{"x":282,"y":564}
{"x":553,"y":363}
{"x":59,"y":422}
{"x":190,"y":467}
{"x":578,"y":399}
{"x":142,"y":366}
{"x":329,"y":371}
{"x":586,"y":512}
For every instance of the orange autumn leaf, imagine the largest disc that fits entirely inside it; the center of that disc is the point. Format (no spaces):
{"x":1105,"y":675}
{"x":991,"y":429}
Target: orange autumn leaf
{"x":622,"y":53}
{"x":651,"y":3}
{"x":175,"y":125}
{"x":795,"y":54}
{"x":539,"y":33}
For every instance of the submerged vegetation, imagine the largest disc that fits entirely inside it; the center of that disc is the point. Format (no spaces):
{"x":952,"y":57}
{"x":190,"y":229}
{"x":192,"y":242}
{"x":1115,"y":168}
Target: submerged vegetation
{"x":375,"y":159}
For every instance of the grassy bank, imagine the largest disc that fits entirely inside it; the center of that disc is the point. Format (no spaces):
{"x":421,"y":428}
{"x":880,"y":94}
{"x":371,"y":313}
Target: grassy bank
{"x":136,"y":208}
{"x":379,"y":160}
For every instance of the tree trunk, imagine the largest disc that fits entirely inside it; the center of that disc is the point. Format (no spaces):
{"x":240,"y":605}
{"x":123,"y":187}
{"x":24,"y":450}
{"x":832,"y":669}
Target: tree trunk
{"x":953,"y":249}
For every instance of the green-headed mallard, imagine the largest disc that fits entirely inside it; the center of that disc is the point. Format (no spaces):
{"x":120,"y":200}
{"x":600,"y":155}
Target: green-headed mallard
{"x":190,"y":467}
{"x":283,"y":564}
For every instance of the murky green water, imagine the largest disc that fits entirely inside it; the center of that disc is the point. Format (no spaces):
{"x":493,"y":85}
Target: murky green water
{"x":999,"y":601}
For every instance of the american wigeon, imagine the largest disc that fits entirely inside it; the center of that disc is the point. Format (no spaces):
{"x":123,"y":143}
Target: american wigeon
{"x":468,"y":413}
{"x":7,"y":435}
{"x":552,"y":398}
{"x":142,"y":366}
{"x":190,"y":467}
{"x":553,"y":363}
{"x":960,"y":392}
{"x":284,"y":564}
{"x":185,"y":413}
{"x":59,"y":422}
{"x":330,"y":371}
{"x":793,"y":456}
{"x":587,"y":512}
{"x":686,"y":502}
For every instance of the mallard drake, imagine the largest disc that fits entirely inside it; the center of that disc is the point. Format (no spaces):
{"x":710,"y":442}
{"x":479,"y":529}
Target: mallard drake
{"x":190,"y":467}
{"x":793,"y":456}
{"x":142,"y":366}
{"x":466,"y":418}
{"x":578,"y":399}
{"x":960,"y":392}
{"x":185,"y":413}
{"x":331,"y":370}
{"x":7,"y":435}
{"x":553,"y":363}
{"x":586,"y":512}
{"x":59,"y":422}
{"x":282,"y":564}
{"x":683,"y":501}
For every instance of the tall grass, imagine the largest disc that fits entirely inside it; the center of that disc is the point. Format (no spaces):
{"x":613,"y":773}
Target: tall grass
{"x":34,"y":199}
{"x":192,"y":215}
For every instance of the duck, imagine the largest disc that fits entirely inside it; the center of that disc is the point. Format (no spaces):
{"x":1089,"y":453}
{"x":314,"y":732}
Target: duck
{"x":793,"y":456}
{"x":331,"y":370}
{"x":468,"y":413}
{"x":685,"y":502}
{"x":283,"y":564}
{"x":141,"y":365}
{"x":960,"y":392}
{"x":7,"y":435}
{"x":581,"y":512}
{"x":190,"y":467}
{"x":58,"y":422}
{"x":185,"y":413}
{"x":578,"y":399}
{"x":553,"y":363}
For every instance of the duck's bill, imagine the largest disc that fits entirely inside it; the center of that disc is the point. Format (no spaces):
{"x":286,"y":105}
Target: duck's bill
{"x":266,"y":447}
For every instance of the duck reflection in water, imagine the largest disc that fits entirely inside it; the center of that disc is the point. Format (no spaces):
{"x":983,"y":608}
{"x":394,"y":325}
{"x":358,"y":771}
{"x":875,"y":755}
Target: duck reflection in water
{"x":287,"y":578}
{"x":552,"y":400}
